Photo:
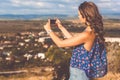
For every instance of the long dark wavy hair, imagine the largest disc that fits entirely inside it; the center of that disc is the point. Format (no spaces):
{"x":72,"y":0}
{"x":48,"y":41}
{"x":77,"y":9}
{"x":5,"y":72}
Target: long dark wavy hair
{"x":90,"y":11}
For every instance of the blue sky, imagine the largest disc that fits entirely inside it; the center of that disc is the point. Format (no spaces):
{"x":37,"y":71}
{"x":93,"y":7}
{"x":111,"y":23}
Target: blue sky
{"x":54,"y":6}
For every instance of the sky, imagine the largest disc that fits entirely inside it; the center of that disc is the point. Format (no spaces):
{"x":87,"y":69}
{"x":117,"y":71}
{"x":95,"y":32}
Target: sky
{"x":54,"y":6}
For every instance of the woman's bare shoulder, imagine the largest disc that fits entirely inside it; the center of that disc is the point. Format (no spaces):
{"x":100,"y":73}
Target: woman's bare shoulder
{"x":84,"y":34}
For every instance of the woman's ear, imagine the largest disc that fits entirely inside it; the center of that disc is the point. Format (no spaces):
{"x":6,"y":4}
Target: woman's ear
{"x":84,"y":19}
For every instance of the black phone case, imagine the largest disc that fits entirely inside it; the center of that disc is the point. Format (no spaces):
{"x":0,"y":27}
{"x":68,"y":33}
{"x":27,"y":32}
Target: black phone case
{"x":52,"y":21}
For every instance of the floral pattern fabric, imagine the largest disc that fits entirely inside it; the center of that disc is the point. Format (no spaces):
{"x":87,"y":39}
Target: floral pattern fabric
{"x":93,"y":62}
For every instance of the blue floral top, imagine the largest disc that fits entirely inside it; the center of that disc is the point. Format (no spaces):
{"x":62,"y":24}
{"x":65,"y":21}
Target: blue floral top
{"x":93,"y":62}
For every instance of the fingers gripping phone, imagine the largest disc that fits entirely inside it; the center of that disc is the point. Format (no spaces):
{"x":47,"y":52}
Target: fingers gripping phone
{"x":52,"y":21}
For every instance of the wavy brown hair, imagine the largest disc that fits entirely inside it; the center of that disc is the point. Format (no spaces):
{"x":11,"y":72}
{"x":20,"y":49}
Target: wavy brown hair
{"x":90,"y":11}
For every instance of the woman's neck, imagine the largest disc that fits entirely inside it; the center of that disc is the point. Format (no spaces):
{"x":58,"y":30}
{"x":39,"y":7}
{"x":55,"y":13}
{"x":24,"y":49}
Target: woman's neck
{"x":88,"y":28}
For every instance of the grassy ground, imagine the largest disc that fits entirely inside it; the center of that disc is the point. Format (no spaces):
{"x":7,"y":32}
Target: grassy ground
{"x":111,"y":26}
{"x":36,"y":73}
{"x":48,"y":76}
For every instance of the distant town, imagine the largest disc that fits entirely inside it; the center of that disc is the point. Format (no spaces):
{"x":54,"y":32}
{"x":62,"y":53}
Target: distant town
{"x":27,"y":45}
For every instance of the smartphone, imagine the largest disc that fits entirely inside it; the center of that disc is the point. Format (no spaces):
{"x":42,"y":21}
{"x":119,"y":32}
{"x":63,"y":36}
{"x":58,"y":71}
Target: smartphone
{"x":52,"y":21}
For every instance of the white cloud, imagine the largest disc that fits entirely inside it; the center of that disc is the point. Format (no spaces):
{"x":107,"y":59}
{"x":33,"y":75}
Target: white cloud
{"x":27,"y":3}
{"x":114,"y":9}
{"x":118,"y":3}
{"x":41,"y":4}
{"x":105,"y":0}
{"x":105,"y":5}
{"x":61,"y":5}
{"x":2,"y":11}
{"x":53,"y":6}
{"x":109,"y":6}
{"x":74,"y":7}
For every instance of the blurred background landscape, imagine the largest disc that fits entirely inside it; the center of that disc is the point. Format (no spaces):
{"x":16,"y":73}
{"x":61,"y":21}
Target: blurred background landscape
{"x":27,"y":52}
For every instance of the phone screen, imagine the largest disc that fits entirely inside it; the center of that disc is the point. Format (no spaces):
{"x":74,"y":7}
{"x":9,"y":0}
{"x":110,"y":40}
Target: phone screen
{"x":52,"y":21}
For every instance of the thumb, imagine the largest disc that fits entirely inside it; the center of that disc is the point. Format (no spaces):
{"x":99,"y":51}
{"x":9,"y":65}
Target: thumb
{"x":49,"y":21}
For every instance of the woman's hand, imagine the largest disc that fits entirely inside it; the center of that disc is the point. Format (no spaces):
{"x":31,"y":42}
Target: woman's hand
{"x":58,"y":22}
{"x":47,"y":25}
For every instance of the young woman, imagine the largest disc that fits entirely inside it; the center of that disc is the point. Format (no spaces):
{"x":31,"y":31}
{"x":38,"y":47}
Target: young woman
{"x":88,"y":59}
